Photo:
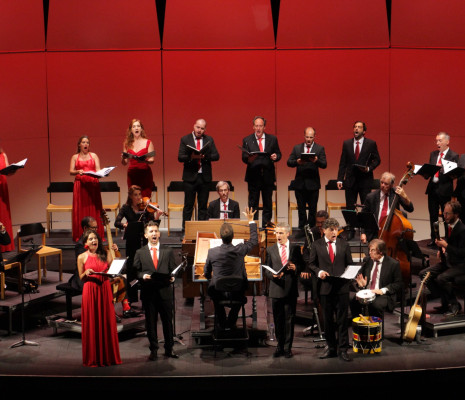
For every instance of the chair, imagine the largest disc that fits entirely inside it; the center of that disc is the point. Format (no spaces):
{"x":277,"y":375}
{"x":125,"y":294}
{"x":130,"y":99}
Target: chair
{"x":112,"y":186}
{"x":291,"y":206}
{"x":228,"y":286}
{"x":57,"y":187}
{"x":174,"y":186}
{"x":330,"y":205}
{"x":3,"y":269}
{"x":37,"y":229}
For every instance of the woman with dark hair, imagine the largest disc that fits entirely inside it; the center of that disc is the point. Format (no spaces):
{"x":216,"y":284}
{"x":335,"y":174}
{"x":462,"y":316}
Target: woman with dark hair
{"x":100,"y":344}
{"x":5,"y":214}
{"x":87,"y":199}
{"x":131,"y":212}
{"x":139,"y":153}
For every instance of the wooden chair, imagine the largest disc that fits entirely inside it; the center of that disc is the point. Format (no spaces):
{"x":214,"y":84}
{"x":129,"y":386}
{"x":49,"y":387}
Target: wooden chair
{"x":57,"y":187}
{"x":330,"y":205}
{"x":34,"y":229}
{"x":291,"y":205}
{"x":3,"y":269}
{"x":174,"y":186}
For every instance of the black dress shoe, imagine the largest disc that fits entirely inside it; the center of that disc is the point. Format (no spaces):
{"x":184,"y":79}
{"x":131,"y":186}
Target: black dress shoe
{"x":278,"y":353}
{"x":153,"y":356}
{"x":441,"y":309}
{"x":453,"y":310}
{"x":288,"y":354}
{"x":171,"y":354}
{"x":344,"y":356}
{"x":328,"y":354}
{"x":131,"y":313}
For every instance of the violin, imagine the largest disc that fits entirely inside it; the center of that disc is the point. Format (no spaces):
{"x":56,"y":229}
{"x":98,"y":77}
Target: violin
{"x":147,"y":205}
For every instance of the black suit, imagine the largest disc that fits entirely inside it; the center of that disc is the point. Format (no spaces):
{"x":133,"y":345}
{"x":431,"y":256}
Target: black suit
{"x":228,"y":260}
{"x":216,"y":207}
{"x":196,"y":183}
{"x":260,"y":174}
{"x":355,"y":181}
{"x":334,"y":292}
{"x":307,"y":181}
{"x":372,"y":205}
{"x":390,"y":278}
{"x":156,"y":293}
{"x":459,"y":191}
{"x":440,"y":192}
{"x":444,"y":274}
{"x":283,"y":293}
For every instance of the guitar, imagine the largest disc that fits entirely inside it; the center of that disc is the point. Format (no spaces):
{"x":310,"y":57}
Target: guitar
{"x":119,"y":287}
{"x":415,"y":314}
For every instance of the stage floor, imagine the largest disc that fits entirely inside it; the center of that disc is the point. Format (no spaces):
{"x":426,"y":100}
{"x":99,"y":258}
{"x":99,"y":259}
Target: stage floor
{"x":55,"y":362}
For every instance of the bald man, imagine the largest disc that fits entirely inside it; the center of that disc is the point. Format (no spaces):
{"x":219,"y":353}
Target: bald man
{"x":307,"y":176}
{"x":197,"y":172}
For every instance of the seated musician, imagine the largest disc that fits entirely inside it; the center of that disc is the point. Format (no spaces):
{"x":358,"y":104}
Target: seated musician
{"x":452,"y":264}
{"x":376,"y":204}
{"x":381,"y":275}
{"x":223,"y":207}
{"x":228,"y":260}
{"x":4,"y":238}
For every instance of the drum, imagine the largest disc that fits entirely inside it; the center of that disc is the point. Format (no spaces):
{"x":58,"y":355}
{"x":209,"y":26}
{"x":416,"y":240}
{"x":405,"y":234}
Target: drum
{"x":365,"y":296}
{"x":367,"y":335}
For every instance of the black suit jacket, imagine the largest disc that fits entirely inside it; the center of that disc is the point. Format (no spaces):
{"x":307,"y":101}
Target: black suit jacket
{"x":143,"y":264}
{"x":214,"y":209}
{"x":390,"y":277}
{"x":190,"y":170}
{"x":350,"y":175}
{"x":228,"y":259}
{"x":262,"y":169}
{"x":459,"y":191}
{"x":307,"y":176}
{"x":444,"y":187}
{"x":455,"y":252}
{"x":287,"y":285}
{"x":319,"y":261}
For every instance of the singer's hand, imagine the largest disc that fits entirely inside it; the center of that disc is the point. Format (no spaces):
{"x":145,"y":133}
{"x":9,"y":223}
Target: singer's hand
{"x":339,"y":185}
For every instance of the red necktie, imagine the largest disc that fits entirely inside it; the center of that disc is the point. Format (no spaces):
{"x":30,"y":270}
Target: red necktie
{"x":449,"y":228}
{"x":308,"y":149}
{"x":260,"y":145}
{"x":283,"y":255}
{"x":385,"y":208}
{"x":225,"y":213}
{"x":198,"y":148}
{"x":154,"y":257}
{"x":439,"y":163}
{"x":373,"y":277}
{"x":357,"y":150}
{"x":331,"y":251}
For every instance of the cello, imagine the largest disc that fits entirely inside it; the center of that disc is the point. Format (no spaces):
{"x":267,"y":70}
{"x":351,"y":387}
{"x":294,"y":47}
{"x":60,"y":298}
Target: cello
{"x":395,"y":229}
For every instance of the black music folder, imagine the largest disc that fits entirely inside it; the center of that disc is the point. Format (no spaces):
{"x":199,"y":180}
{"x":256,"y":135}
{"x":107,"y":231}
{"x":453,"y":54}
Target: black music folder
{"x":426,"y":170}
{"x":138,"y":158}
{"x":13,"y":167}
{"x":307,"y":156}
{"x":252,"y":153}
{"x":201,"y":151}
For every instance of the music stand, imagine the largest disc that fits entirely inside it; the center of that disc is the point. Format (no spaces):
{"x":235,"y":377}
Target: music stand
{"x":361,"y":220}
{"x":23,"y":258}
{"x":179,"y":269}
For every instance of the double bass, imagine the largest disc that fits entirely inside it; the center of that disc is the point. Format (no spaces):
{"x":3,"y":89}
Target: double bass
{"x":395,"y":229}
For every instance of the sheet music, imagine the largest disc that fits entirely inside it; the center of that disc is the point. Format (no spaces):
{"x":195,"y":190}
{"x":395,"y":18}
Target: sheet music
{"x":350,"y":272}
{"x":100,"y":173}
{"x":116,"y":266}
{"x":20,"y":164}
{"x":448,"y":165}
{"x":219,"y":242}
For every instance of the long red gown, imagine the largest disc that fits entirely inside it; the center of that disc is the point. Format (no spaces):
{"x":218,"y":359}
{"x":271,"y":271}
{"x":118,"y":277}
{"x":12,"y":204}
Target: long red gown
{"x":100,"y":344}
{"x":5,"y":214}
{"x":140,"y":174}
{"x":87,"y":199}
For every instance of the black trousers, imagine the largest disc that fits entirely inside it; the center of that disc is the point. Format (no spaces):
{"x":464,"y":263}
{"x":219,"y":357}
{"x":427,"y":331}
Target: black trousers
{"x":224,"y":321}
{"x":154,"y":305}
{"x":335,"y":311}
{"x":306,"y":198}
{"x":266,"y":191}
{"x":198,"y":188}
{"x":352,"y":193}
{"x":441,"y":280}
{"x":435,"y":202}
{"x":284,"y":319}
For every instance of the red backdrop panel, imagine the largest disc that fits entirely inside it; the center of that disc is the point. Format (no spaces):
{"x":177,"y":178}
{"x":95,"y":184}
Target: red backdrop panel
{"x":102,"y":24}
{"x":97,"y":94}
{"x":428,"y":23}
{"x":333,"y":23}
{"x":328,"y":91}
{"x":21,"y":25}
{"x":227,"y":89}
{"x":23,"y":109}
{"x":212,"y":24}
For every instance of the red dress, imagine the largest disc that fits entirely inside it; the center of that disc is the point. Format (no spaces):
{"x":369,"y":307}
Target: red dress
{"x":100,"y":344}
{"x":140,"y":174}
{"x":87,"y":200}
{"x":5,"y":215}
